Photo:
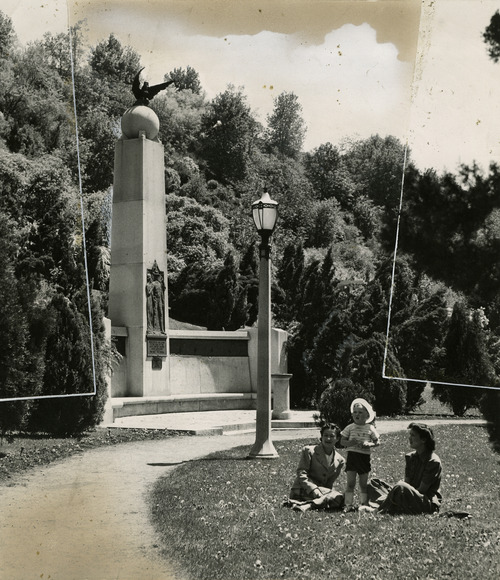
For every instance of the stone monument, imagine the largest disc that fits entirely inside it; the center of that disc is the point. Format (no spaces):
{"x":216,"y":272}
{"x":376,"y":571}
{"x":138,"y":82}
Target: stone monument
{"x":165,"y":370}
{"x":138,"y":299}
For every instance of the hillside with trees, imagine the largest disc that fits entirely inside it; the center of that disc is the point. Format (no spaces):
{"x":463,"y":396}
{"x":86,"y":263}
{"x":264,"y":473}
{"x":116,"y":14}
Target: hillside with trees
{"x":332,"y":250}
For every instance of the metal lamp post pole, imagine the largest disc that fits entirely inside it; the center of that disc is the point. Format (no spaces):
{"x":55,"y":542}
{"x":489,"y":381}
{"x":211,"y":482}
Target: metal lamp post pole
{"x":263,"y":447}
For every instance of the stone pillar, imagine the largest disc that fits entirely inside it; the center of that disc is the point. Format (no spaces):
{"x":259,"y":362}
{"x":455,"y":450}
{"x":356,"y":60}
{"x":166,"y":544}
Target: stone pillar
{"x":281,"y":395}
{"x":138,"y":248}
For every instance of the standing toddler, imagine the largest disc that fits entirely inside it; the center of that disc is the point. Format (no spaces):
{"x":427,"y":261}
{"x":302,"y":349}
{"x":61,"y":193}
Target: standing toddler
{"x":358,"y":438}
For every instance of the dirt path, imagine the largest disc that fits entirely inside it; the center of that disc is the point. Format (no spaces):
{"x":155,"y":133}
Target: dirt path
{"x":86,"y":518}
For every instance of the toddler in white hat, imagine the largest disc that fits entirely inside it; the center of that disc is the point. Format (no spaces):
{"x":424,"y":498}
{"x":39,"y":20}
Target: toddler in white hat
{"x":359,"y":437}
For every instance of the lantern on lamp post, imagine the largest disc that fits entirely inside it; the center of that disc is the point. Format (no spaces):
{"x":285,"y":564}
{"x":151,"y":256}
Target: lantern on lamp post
{"x":264,"y":213}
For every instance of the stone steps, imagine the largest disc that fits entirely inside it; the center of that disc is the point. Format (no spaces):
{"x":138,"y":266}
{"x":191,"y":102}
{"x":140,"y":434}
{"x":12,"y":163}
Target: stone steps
{"x":131,"y":406}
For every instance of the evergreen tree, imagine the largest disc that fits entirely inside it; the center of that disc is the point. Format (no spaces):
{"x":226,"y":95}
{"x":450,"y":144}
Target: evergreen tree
{"x":362,"y":362}
{"x":490,"y":407}
{"x":418,"y":341}
{"x":289,"y":284}
{"x":69,"y":371}
{"x":321,"y":360}
{"x":286,"y":128}
{"x":249,"y":280}
{"x":335,"y":402}
{"x":18,"y":362}
{"x":223,"y":296}
{"x":465,"y":362}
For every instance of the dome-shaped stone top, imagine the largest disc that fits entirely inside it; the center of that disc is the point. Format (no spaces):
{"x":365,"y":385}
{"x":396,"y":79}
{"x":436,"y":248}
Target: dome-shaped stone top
{"x":140,"y":118}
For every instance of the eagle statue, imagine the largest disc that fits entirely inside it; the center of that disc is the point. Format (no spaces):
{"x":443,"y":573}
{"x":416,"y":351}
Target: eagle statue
{"x":145,"y":93}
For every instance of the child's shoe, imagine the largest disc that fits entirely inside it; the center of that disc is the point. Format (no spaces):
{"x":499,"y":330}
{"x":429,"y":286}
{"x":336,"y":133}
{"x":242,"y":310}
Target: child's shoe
{"x":350,"y":508}
{"x":367,"y":508}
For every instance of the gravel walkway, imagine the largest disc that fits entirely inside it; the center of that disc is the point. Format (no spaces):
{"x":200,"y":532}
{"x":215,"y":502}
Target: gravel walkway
{"x":86,"y":518}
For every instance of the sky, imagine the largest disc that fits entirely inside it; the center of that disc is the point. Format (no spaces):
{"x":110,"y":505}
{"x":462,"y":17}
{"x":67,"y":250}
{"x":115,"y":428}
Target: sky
{"x":416,"y":70}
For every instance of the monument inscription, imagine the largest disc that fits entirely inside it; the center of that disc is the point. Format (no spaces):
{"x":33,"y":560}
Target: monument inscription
{"x":157,"y":347}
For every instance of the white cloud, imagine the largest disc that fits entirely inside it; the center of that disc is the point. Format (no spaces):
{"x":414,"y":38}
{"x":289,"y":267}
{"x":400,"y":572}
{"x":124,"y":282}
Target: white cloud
{"x":349,"y":84}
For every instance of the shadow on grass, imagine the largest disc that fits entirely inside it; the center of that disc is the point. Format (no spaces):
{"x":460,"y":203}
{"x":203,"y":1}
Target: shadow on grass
{"x":200,"y":460}
{"x":166,"y":464}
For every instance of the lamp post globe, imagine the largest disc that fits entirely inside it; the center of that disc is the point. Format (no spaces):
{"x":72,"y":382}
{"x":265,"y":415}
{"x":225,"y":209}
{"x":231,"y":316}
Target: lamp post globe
{"x":265,"y":214}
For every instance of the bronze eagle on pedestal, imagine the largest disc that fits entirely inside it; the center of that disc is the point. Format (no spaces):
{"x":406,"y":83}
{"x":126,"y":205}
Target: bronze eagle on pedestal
{"x":145,"y":93}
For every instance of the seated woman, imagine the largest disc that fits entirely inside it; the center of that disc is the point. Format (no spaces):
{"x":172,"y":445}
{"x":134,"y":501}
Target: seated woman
{"x":319,"y":467}
{"x":419,"y":493}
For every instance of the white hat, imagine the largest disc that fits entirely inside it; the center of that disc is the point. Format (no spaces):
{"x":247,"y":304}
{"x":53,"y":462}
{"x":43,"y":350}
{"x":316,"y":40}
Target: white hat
{"x":367,"y":406}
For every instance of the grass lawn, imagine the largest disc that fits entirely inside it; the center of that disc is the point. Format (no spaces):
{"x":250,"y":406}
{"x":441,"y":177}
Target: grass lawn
{"x":221,"y":517}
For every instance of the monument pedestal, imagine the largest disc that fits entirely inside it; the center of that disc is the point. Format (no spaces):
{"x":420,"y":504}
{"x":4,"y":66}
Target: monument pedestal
{"x":139,"y":254}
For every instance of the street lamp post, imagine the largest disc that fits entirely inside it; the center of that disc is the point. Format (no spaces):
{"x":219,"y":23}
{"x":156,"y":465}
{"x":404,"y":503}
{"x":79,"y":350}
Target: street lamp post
{"x":265,"y":213}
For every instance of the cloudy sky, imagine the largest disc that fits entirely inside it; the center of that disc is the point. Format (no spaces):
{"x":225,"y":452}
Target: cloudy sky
{"x":400,"y":67}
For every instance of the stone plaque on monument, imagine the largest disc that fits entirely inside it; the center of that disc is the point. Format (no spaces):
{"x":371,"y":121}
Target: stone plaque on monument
{"x":157,"y":346}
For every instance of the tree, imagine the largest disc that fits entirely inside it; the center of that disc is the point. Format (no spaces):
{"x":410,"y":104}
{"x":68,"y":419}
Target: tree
{"x":321,"y":359}
{"x":69,"y":371}
{"x":49,"y":295}
{"x":21,"y":363}
{"x":65,"y":52}
{"x":189,"y":293}
{"x":185,"y":79}
{"x":490,"y":407}
{"x":321,"y":168}
{"x":465,"y":361}
{"x":314,"y":303}
{"x":286,"y":129}
{"x":490,"y":403}
{"x":7,"y":36}
{"x":327,"y":225}
{"x":286,"y":183}
{"x":418,"y":340}
{"x":249,"y":280}
{"x":448,"y":225}
{"x":491,"y":37}
{"x":180,"y":114}
{"x":289,"y":281}
{"x":108,"y":85}
{"x":376,"y":165}
{"x":335,"y":402}
{"x":98,"y":133}
{"x":229,"y":132}
{"x":224,"y":298}
{"x":214,"y":298}
{"x":110,"y":60}
{"x":362,"y":362}
{"x":34,"y":101}
{"x":195,"y":233}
